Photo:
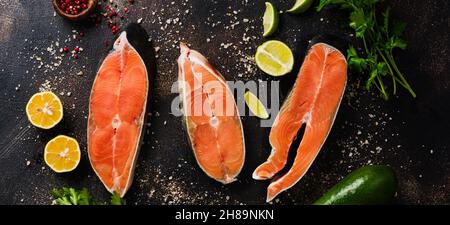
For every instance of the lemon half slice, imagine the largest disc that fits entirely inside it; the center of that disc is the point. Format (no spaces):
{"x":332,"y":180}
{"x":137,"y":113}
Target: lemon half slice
{"x":62,"y":154}
{"x":44,"y":110}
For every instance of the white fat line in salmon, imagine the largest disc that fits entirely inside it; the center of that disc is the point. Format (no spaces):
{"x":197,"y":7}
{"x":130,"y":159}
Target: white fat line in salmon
{"x":116,"y":175}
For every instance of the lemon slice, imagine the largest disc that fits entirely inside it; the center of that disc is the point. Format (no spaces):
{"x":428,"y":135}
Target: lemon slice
{"x":274,"y":58}
{"x":62,"y":154}
{"x":300,"y":6}
{"x":44,"y":110}
{"x":255,"y":105}
{"x":270,"y":20}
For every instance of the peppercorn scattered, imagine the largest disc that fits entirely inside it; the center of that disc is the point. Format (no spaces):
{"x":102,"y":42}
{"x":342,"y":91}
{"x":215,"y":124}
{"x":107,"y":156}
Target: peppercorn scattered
{"x":73,"y":7}
{"x":115,"y":12}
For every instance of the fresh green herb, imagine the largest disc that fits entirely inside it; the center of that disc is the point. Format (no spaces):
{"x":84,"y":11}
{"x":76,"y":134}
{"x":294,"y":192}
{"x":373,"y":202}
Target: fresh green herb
{"x":71,"y":196}
{"x":117,"y":200}
{"x":380,"y":36}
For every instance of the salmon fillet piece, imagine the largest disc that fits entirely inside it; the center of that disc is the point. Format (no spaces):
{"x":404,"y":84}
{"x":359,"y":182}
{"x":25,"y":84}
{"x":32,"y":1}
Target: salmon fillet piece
{"x":212,"y":120}
{"x":116,"y":114}
{"x":314,"y":101}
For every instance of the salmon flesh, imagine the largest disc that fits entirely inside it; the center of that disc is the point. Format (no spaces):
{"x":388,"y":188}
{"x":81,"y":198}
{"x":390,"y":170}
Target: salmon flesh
{"x":116,"y":114}
{"x":313,"y":101}
{"x":211,"y":117}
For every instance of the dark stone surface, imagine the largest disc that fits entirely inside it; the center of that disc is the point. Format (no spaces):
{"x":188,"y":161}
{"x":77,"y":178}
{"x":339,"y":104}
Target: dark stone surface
{"x":411,"y":135}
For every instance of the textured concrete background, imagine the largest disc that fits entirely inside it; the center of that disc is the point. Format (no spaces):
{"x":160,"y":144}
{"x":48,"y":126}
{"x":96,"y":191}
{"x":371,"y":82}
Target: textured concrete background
{"x":411,"y":135}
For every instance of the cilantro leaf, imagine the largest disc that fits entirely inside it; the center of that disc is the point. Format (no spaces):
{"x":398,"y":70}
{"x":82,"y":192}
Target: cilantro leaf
{"x":354,"y":61}
{"x":324,"y":3}
{"x":117,"y":200}
{"x":380,"y":35}
{"x":396,"y":42}
{"x":85,"y":198}
{"x":359,"y":22}
{"x":386,"y":20}
{"x":72,"y":196}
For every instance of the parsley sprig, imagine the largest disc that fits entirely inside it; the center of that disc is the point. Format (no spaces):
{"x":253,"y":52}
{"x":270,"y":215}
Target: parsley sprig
{"x":380,"y":37}
{"x":71,"y":196}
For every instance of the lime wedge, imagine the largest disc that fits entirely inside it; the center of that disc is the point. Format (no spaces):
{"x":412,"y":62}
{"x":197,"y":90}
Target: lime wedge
{"x":255,"y":105}
{"x":274,"y":58}
{"x":300,"y":6}
{"x":270,"y":20}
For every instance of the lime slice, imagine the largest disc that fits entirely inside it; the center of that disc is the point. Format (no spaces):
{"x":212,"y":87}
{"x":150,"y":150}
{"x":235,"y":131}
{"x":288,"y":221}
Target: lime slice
{"x":255,"y":105}
{"x":274,"y":58}
{"x":270,"y":20}
{"x":300,"y":6}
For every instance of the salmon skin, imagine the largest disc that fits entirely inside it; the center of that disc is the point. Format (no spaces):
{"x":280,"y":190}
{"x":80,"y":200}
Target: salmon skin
{"x":211,"y":117}
{"x":313,"y":101}
{"x":116,"y":113}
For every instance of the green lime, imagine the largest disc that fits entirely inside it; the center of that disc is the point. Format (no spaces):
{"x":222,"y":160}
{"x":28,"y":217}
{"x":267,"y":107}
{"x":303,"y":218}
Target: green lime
{"x":300,"y":6}
{"x":274,"y":58}
{"x":270,"y":20}
{"x":255,"y":105}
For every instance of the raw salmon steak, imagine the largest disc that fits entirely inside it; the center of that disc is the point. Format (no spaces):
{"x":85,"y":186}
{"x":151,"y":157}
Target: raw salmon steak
{"x":212,"y":120}
{"x":116,"y":114}
{"x":313,"y":101}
